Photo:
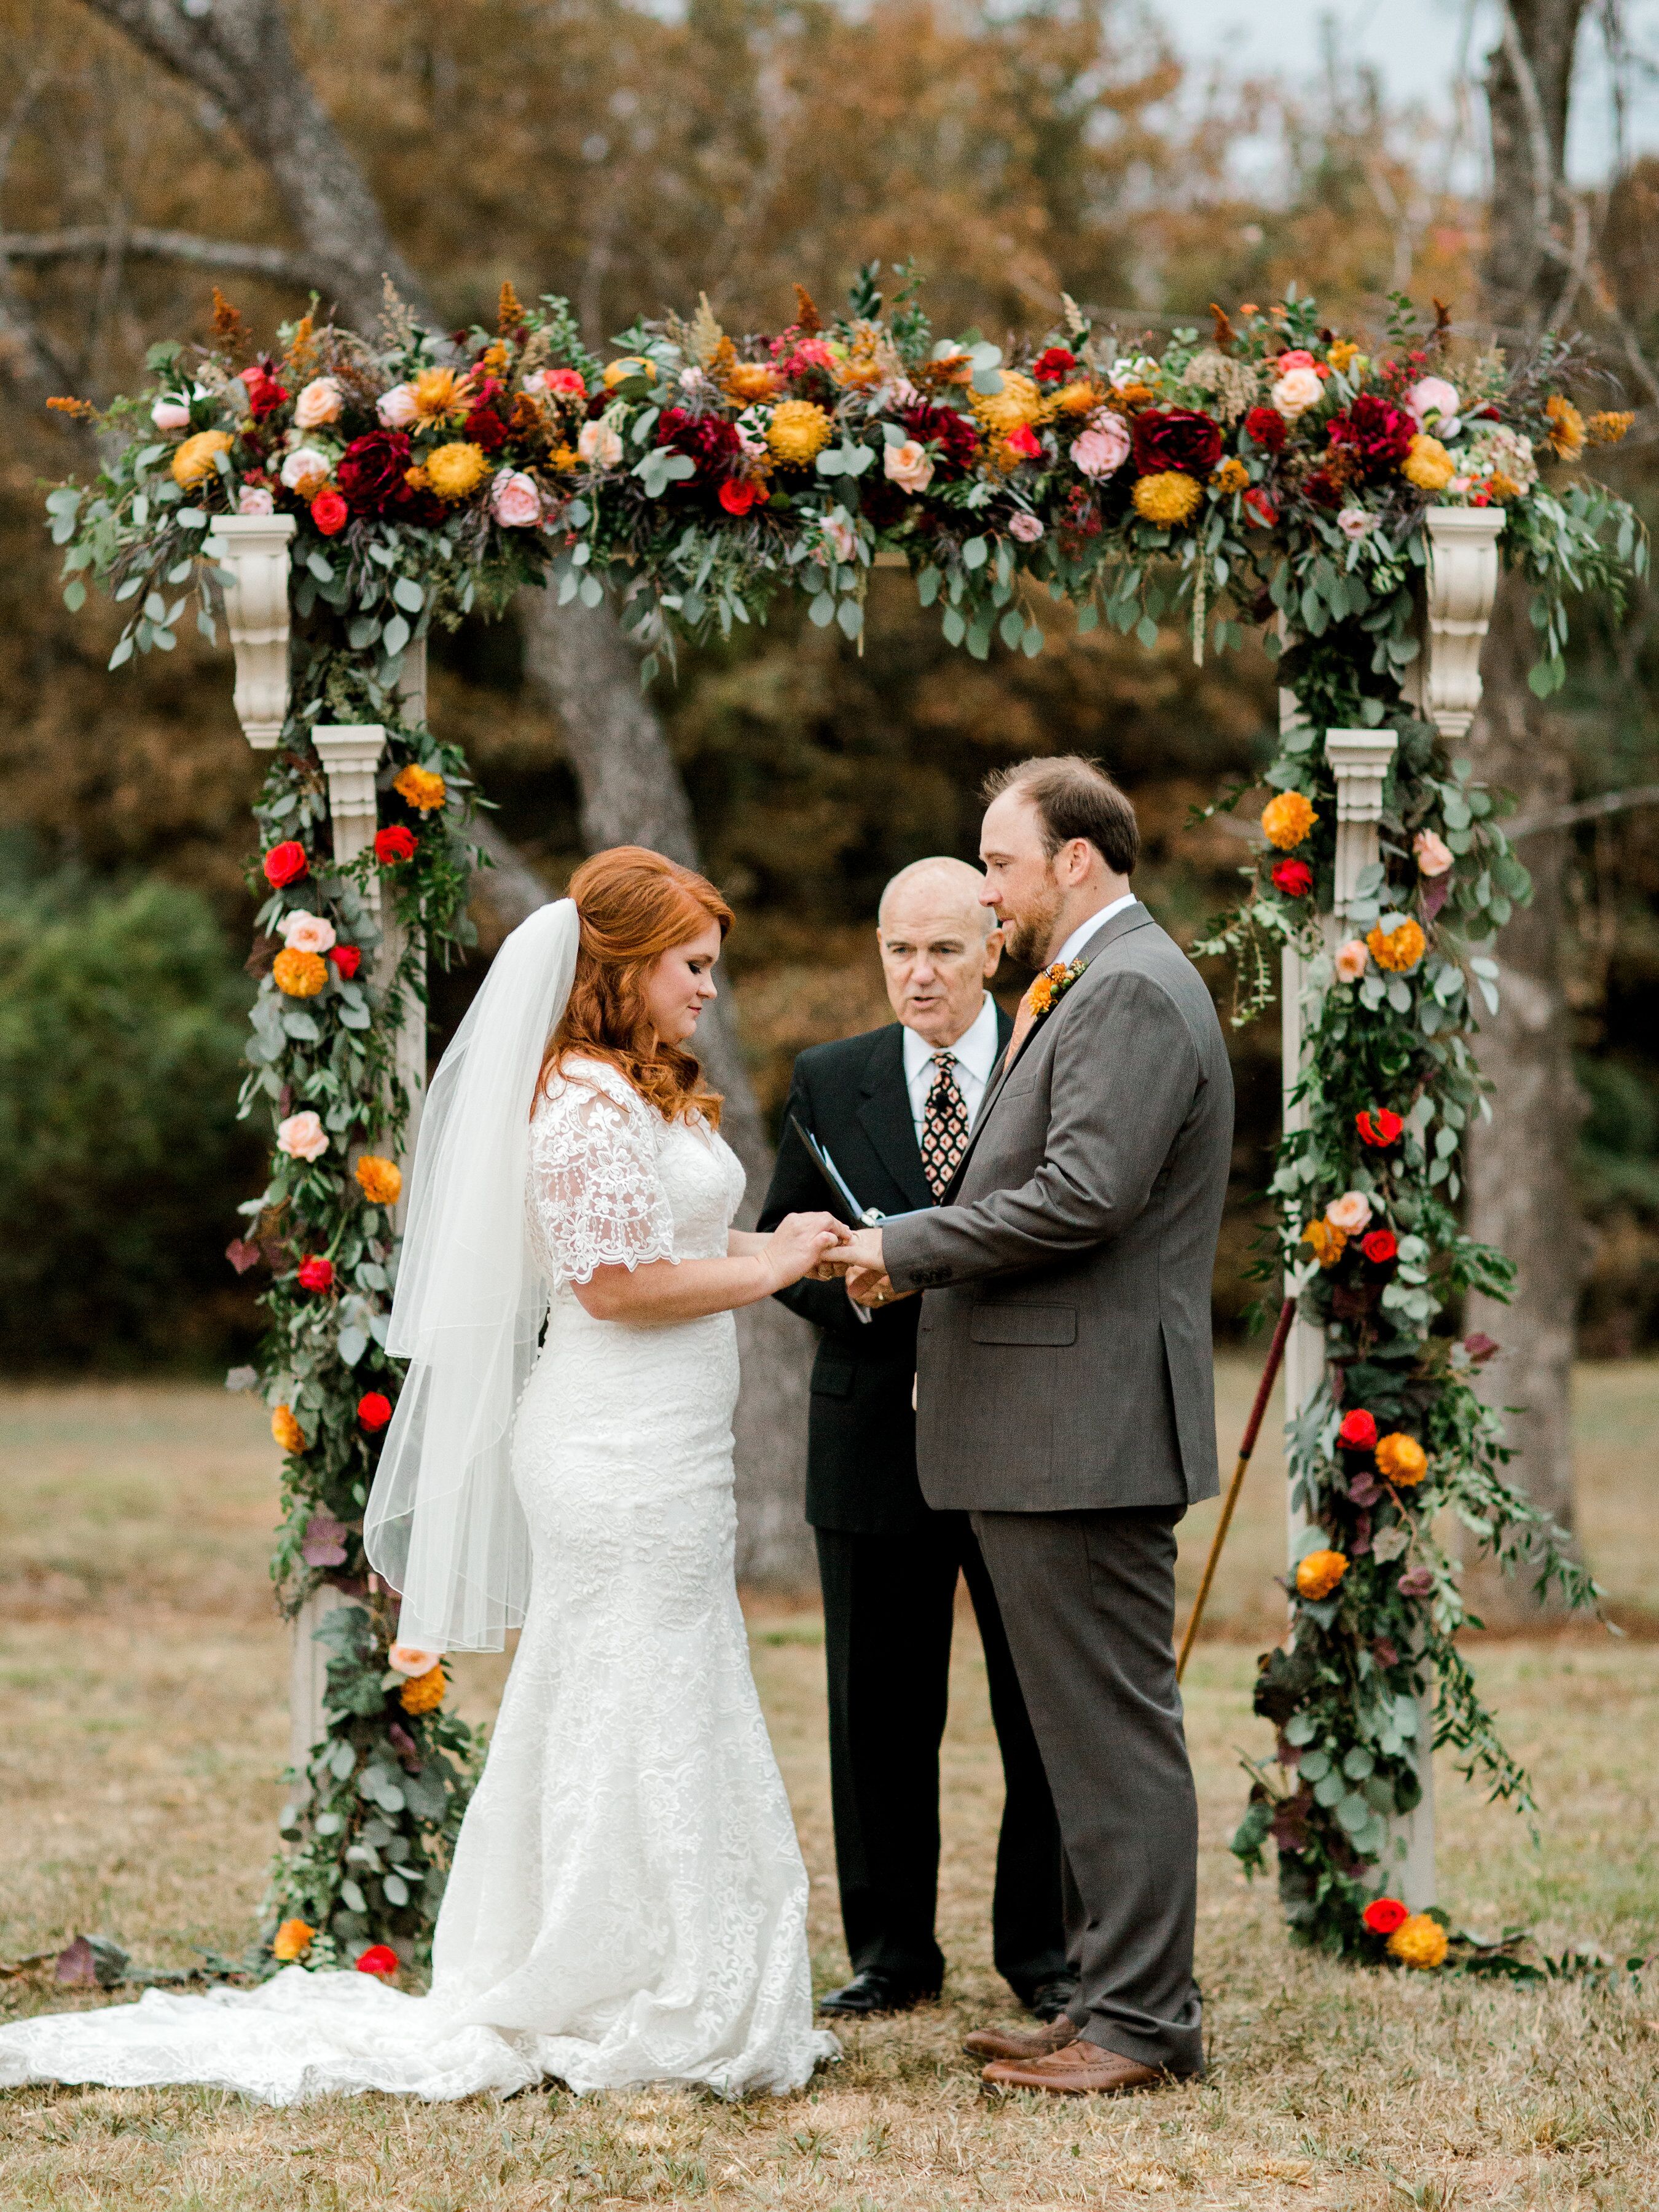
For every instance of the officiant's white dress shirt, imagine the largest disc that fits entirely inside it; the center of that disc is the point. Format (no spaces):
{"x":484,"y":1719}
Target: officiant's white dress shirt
{"x":975,"y":1053}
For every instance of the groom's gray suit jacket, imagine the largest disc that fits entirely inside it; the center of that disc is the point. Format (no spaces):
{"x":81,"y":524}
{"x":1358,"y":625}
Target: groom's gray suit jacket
{"x":1064,"y":1353}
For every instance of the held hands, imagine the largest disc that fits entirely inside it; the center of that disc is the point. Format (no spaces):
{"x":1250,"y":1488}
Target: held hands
{"x":798,"y":1246}
{"x":858,"y":1257}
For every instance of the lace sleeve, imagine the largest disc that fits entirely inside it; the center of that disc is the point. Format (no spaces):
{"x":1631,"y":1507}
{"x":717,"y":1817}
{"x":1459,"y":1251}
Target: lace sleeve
{"x":597,"y":1199}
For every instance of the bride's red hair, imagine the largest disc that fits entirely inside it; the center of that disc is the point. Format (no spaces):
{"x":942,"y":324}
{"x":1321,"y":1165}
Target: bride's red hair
{"x":634,"y":905}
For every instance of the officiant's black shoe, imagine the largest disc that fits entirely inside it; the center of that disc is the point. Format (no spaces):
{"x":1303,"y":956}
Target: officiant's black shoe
{"x":1049,"y":2000}
{"x":874,"y":1992}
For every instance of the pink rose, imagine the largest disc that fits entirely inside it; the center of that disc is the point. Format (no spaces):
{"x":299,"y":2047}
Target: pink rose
{"x":1350,"y":1213}
{"x":1103,"y":446}
{"x":567,"y":380}
{"x":1356,"y":522}
{"x":305,"y":472}
{"x":307,"y":932}
{"x":170,"y":414}
{"x":303,"y":1136}
{"x":1431,"y":399}
{"x":254,"y":499}
{"x":318,"y":403}
{"x":1024,"y":526}
{"x":599,"y":444}
{"x":1434,"y":855}
{"x":1296,"y":391}
{"x":1297,"y":357}
{"x":839,"y":535}
{"x":1350,"y":960}
{"x":514,"y":500}
{"x":910,"y":465}
{"x":397,"y":408}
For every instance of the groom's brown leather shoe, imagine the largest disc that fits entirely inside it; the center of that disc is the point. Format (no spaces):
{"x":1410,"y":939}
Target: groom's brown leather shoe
{"x":1076,"y":2069}
{"x":1021,"y":2042}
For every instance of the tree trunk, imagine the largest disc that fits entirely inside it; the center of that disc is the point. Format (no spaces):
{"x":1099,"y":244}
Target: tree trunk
{"x":1521,"y":1196}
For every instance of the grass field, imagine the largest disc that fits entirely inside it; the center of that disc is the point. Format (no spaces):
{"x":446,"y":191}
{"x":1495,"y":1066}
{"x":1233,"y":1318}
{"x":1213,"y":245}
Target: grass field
{"x":143,"y":1679}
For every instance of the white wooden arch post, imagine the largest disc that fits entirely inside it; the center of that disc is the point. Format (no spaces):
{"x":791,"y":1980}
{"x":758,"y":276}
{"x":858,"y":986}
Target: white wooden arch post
{"x":1446,"y":687}
{"x":253,"y":550}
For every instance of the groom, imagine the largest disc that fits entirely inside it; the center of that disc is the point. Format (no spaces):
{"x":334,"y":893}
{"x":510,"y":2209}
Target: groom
{"x":1065,"y":1392}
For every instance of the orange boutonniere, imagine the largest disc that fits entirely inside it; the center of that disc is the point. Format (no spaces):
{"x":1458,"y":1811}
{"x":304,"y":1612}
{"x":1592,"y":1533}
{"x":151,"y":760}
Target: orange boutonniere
{"x":1051,"y":986}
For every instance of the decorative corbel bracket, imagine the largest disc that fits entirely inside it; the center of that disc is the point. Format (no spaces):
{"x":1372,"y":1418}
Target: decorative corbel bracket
{"x":1359,"y":761}
{"x":253,"y":551}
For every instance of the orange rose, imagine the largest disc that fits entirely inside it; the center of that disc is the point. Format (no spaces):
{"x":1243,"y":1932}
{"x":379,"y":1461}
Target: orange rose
{"x":287,"y":1431}
{"x":1399,"y":949}
{"x":424,"y":1694}
{"x":299,"y":974}
{"x":381,"y":1180}
{"x":1320,"y":1573}
{"x":291,"y":1940}
{"x":1401,"y":1459}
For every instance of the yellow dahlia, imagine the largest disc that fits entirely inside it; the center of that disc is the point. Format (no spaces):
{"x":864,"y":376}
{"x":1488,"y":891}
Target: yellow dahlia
{"x":425,"y":1694}
{"x":1342,"y":353}
{"x":420,"y":787}
{"x":1607,"y":427}
{"x":1428,"y":464}
{"x":631,"y":364}
{"x":749,"y":380}
{"x":193,"y":461}
{"x":798,"y":433}
{"x":457,"y":470}
{"x":1232,"y":476}
{"x":561,"y":460}
{"x":1080,"y":399}
{"x":1286,"y":820}
{"x":1167,"y":497}
{"x":1320,"y":1573}
{"x":299,"y":974}
{"x":1401,"y":1459}
{"x":1566,"y":428}
{"x":1502,"y":487}
{"x":291,"y":1940}
{"x":1326,"y":1241}
{"x":381,"y":1180}
{"x":1419,"y":1942}
{"x":286,"y":1430}
{"x":1401,"y":950}
{"x":1018,"y":401}
{"x":437,"y":393}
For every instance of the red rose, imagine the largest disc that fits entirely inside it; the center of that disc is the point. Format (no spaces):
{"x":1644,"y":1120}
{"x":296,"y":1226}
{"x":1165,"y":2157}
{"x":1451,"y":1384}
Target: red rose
{"x":347,"y":958}
{"x":1358,"y":1431}
{"x":737,"y":495}
{"x":1383,"y":1914}
{"x":379,"y":1959}
{"x":374,"y":1410}
{"x":329,"y":512}
{"x":1293,"y":878}
{"x":316,"y":1273}
{"x":1022,"y":441}
{"x":1175,"y":438}
{"x":265,"y":394}
{"x":285,"y":863}
{"x":1381,"y":1246}
{"x":393,"y":845}
{"x":952,"y":436}
{"x":1382,"y":1128}
{"x":1267,"y":427}
{"x":1264,"y":509}
{"x":1055,"y":366}
{"x":1378,"y":433}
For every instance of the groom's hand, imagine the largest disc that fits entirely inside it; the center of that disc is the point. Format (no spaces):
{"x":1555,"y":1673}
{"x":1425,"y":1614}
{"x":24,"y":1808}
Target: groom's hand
{"x":872,"y":1286}
{"x":861,"y":1248}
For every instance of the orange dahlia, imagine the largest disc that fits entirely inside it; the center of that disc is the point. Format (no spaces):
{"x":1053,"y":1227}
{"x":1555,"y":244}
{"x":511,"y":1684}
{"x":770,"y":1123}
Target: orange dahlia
{"x":286,"y":1430}
{"x":291,"y":1940}
{"x":299,"y":974}
{"x":1320,"y":1573}
{"x":425,"y":1694}
{"x":381,"y":1180}
{"x":1401,"y":1459}
{"x":1419,"y":1942}
{"x":1398,"y":950}
{"x":1286,"y":820}
{"x":421,"y":787}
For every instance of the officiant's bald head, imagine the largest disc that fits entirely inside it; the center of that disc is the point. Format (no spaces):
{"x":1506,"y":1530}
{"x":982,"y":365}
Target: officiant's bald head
{"x":938,"y":946}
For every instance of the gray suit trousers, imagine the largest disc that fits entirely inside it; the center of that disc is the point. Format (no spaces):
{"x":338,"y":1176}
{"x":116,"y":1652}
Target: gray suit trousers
{"x":1088,"y":1601}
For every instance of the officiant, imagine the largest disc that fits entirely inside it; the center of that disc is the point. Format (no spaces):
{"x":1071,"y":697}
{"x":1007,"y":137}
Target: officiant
{"x":892,"y":1108}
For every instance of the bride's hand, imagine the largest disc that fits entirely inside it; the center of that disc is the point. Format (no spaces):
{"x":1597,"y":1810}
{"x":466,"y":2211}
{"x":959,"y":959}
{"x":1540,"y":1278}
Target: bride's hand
{"x":798,"y":1243}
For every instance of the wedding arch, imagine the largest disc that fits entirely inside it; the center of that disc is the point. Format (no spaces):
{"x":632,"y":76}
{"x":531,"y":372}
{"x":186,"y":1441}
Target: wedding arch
{"x":339,"y":494}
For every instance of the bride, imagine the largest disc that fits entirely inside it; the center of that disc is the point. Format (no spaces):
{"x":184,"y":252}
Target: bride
{"x":627,"y":1902}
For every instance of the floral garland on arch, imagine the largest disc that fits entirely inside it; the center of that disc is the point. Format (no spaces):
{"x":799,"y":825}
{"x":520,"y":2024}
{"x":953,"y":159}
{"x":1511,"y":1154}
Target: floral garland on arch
{"x":1269,"y":473}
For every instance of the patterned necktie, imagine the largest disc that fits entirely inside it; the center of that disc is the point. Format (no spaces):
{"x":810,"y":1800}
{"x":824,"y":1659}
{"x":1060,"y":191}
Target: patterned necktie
{"x":944,"y":1124}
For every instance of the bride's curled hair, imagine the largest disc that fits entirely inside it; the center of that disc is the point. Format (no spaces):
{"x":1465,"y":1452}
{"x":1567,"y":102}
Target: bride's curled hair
{"x":634,"y":905}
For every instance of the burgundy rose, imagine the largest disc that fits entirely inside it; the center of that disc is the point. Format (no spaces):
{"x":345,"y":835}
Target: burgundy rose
{"x":1267,"y":427}
{"x":371,"y":472}
{"x":706,"y":440}
{"x":1175,"y":438}
{"x":953,"y":436}
{"x":485,"y":428}
{"x":1376,"y":432}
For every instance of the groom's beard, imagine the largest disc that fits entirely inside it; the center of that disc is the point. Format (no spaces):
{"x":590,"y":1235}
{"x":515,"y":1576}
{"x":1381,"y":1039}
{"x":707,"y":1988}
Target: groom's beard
{"x":1031,"y":933}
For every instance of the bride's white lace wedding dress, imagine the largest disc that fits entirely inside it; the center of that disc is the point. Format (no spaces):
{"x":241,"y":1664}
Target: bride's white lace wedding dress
{"x":627,"y":1903}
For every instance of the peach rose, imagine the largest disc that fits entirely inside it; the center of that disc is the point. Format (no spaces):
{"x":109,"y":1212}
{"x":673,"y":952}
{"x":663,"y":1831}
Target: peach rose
{"x":254,"y":499}
{"x":409,"y":1659}
{"x":170,"y":413}
{"x":1350,"y":960}
{"x":306,"y":471}
{"x":397,"y":408}
{"x":1434,"y":855}
{"x":1350,"y":1213}
{"x":1103,"y":446}
{"x":318,"y":403}
{"x":307,"y":932}
{"x":303,"y":1136}
{"x":1296,"y":391}
{"x":291,"y":1940}
{"x":1025,"y":527}
{"x":599,"y":444}
{"x":514,"y":501}
{"x":910,"y":465}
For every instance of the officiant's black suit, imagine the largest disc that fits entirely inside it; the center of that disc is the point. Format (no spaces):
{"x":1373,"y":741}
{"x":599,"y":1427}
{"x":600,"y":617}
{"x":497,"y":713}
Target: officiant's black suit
{"x":888,"y":1565}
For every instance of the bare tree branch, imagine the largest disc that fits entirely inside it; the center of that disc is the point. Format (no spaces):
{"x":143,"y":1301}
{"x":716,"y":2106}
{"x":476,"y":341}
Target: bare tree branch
{"x":91,"y":241}
{"x":1583,"y":810}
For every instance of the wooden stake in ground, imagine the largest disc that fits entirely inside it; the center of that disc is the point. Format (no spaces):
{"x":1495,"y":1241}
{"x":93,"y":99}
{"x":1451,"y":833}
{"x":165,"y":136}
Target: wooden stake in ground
{"x":1252,"y":1430}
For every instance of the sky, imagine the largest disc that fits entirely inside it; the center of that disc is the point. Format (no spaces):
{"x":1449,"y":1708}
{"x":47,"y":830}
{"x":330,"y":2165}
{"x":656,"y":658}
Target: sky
{"x":1418,"y":46}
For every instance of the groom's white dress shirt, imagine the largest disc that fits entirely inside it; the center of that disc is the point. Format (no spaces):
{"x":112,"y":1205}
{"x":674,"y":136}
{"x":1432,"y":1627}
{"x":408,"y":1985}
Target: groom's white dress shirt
{"x":975,"y":1053}
{"x":1085,"y":930}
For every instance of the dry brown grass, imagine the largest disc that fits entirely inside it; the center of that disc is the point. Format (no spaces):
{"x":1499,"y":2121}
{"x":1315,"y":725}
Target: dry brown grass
{"x":144,"y":1680}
